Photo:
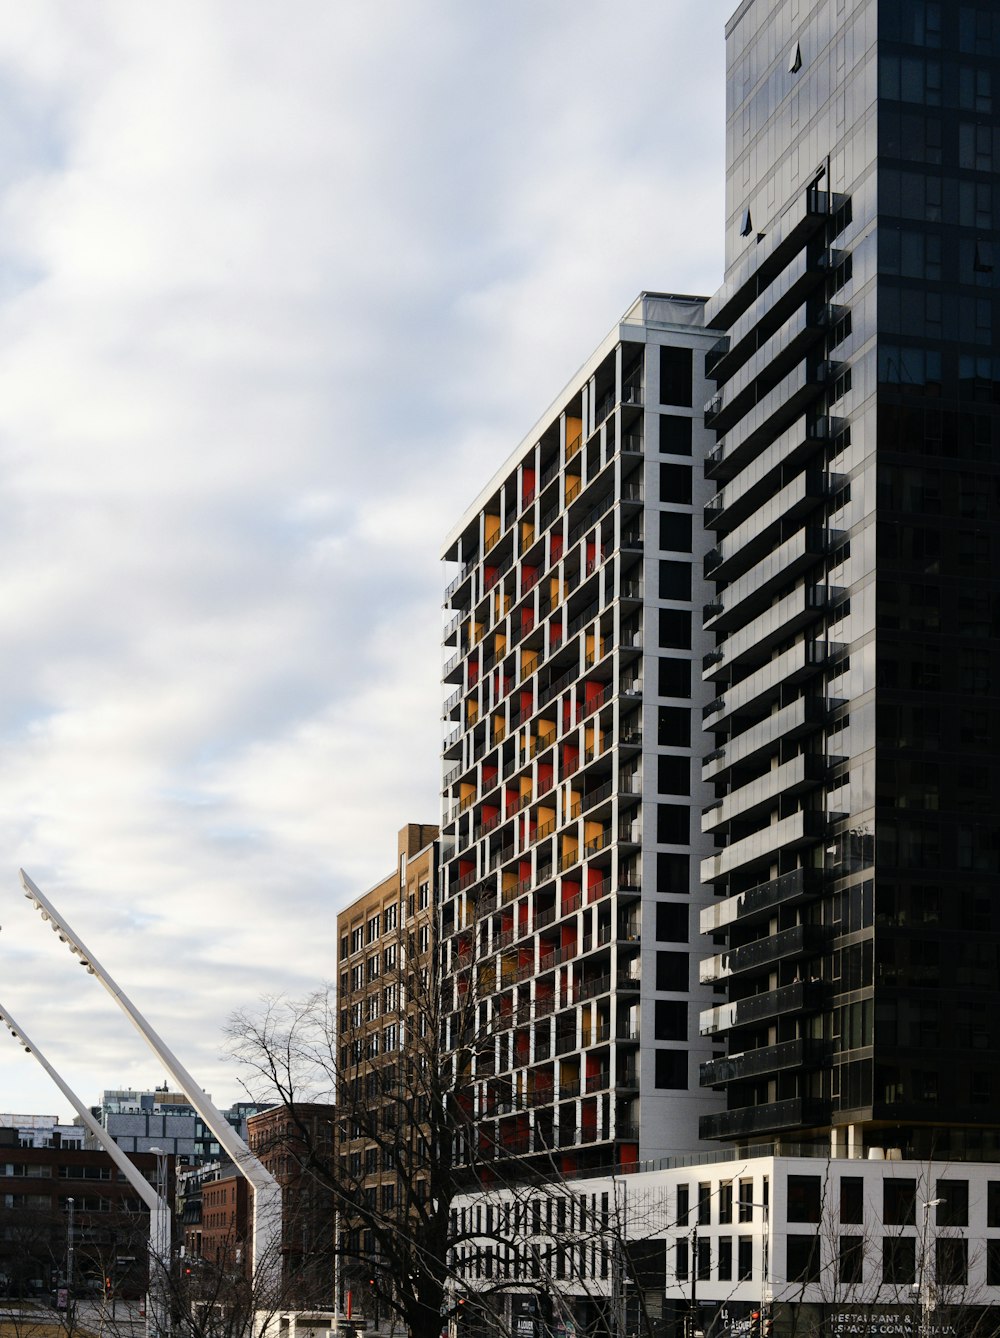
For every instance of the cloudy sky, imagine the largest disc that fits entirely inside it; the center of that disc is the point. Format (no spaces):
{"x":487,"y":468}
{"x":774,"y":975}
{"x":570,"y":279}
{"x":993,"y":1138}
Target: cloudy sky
{"x":281,"y":285}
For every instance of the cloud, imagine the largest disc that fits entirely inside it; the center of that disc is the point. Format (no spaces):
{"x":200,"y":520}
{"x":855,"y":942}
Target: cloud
{"x":280,"y":289}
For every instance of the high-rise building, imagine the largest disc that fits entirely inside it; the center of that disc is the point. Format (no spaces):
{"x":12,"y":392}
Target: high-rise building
{"x":570,"y":840}
{"x":387,"y":940}
{"x":856,"y":675}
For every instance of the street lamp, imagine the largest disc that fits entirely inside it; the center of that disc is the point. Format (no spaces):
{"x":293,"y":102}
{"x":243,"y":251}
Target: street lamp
{"x":70,"y":1206}
{"x":924,"y":1288}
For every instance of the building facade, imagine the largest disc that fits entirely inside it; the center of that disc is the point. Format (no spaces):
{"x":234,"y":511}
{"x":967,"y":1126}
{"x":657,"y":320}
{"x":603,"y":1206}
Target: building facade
{"x":387,"y":996}
{"x":570,"y":893}
{"x":40,"y":1182}
{"x":295,"y":1146}
{"x":855,"y":670}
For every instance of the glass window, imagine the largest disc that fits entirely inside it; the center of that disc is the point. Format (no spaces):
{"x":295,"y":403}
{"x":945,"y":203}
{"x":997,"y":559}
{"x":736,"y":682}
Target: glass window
{"x":899,"y":1202}
{"x":671,"y":1070}
{"x":675,"y":376}
{"x":954,"y":1211}
{"x":674,"y":677}
{"x":704,"y":1259}
{"x":675,"y":532}
{"x":744,"y":1258}
{"x":704,"y":1204}
{"x":851,"y":1259}
{"x":675,"y":484}
{"x":852,"y":1199}
{"x":726,"y":1201}
{"x":683,"y":1204}
{"x":675,"y":435}
{"x":993,"y":1263}
{"x":671,"y":922}
{"x":681,"y":1260}
{"x":899,"y":1259}
{"x":746,"y":1200}
{"x":993,"y":1203}
{"x":670,"y":1020}
{"x":951,"y":1256}
{"x":804,"y":1192}
{"x":675,"y":580}
{"x":803,"y":1259}
{"x":726,"y":1258}
{"x":672,"y":971}
{"x":673,"y":776}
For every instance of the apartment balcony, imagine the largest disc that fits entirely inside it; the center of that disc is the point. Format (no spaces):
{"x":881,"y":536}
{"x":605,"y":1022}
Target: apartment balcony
{"x":787,"y":1001}
{"x":747,"y":596}
{"x":801,"y":941}
{"x":803,"y":1054}
{"x":767,"y":473}
{"x":755,"y":538}
{"x":765,"y":367}
{"x":792,"y":833}
{"x":755,"y":641}
{"x":788,"y":293}
{"x":797,"y":1113}
{"x":802,"y":773}
{"x":800,"y":717}
{"x":759,"y":903}
{"x":786,"y":236}
{"x":756,"y":693}
{"x":775,"y":411}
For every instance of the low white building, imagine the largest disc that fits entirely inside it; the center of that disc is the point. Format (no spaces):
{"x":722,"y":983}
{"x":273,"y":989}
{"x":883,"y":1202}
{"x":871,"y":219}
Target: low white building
{"x":722,"y":1239}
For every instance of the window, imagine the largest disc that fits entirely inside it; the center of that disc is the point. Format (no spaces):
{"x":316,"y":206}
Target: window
{"x":676,"y":376}
{"x":675,"y":484}
{"x":373,"y":927}
{"x":675,"y":580}
{"x":744,"y":1259}
{"x":899,"y":1259}
{"x":671,"y":1070}
{"x":357,"y":938}
{"x":704,"y":1204}
{"x":993,"y":1263}
{"x":993,"y":1203}
{"x":725,"y":1258}
{"x":675,"y":532}
{"x":852,"y":1199}
{"x":343,"y":946}
{"x":424,"y":896}
{"x":898,"y":1202}
{"x":673,"y":677}
{"x":373,"y":965}
{"x":673,"y":726}
{"x":673,"y":824}
{"x":951,"y":1256}
{"x":675,"y":435}
{"x":389,"y":917}
{"x":683,"y":1204}
{"x":389,"y":1036}
{"x":673,"y":775}
{"x":802,"y":1258}
{"x":955,"y":1209}
{"x":726,"y":1202}
{"x":746,"y":1200}
{"x":681,"y":1260}
{"x":672,"y":971}
{"x":803,"y":1198}
{"x":670,"y":1021}
{"x":851,"y":1259}
{"x":673,"y":874}
{"x":424,"y":937}
{"x":704,"y":1259}
{"x":675,"y":629}
{"x":671,"y":922}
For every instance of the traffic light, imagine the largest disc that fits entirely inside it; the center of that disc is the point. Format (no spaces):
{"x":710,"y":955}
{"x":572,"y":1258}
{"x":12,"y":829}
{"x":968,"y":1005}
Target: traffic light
{"x":767,"y":1325}
{"x":460,"y":1310}
{"x":755,"y":1324}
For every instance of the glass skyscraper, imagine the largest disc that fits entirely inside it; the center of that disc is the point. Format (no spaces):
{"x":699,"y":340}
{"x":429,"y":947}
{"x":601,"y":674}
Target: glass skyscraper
{"x":855,"y":666}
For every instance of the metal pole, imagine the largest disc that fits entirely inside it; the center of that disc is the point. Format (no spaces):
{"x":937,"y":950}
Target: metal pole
{"x":693,"y":1329}
{"x":70,"y":1205}
{"x":924,"y":1285}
